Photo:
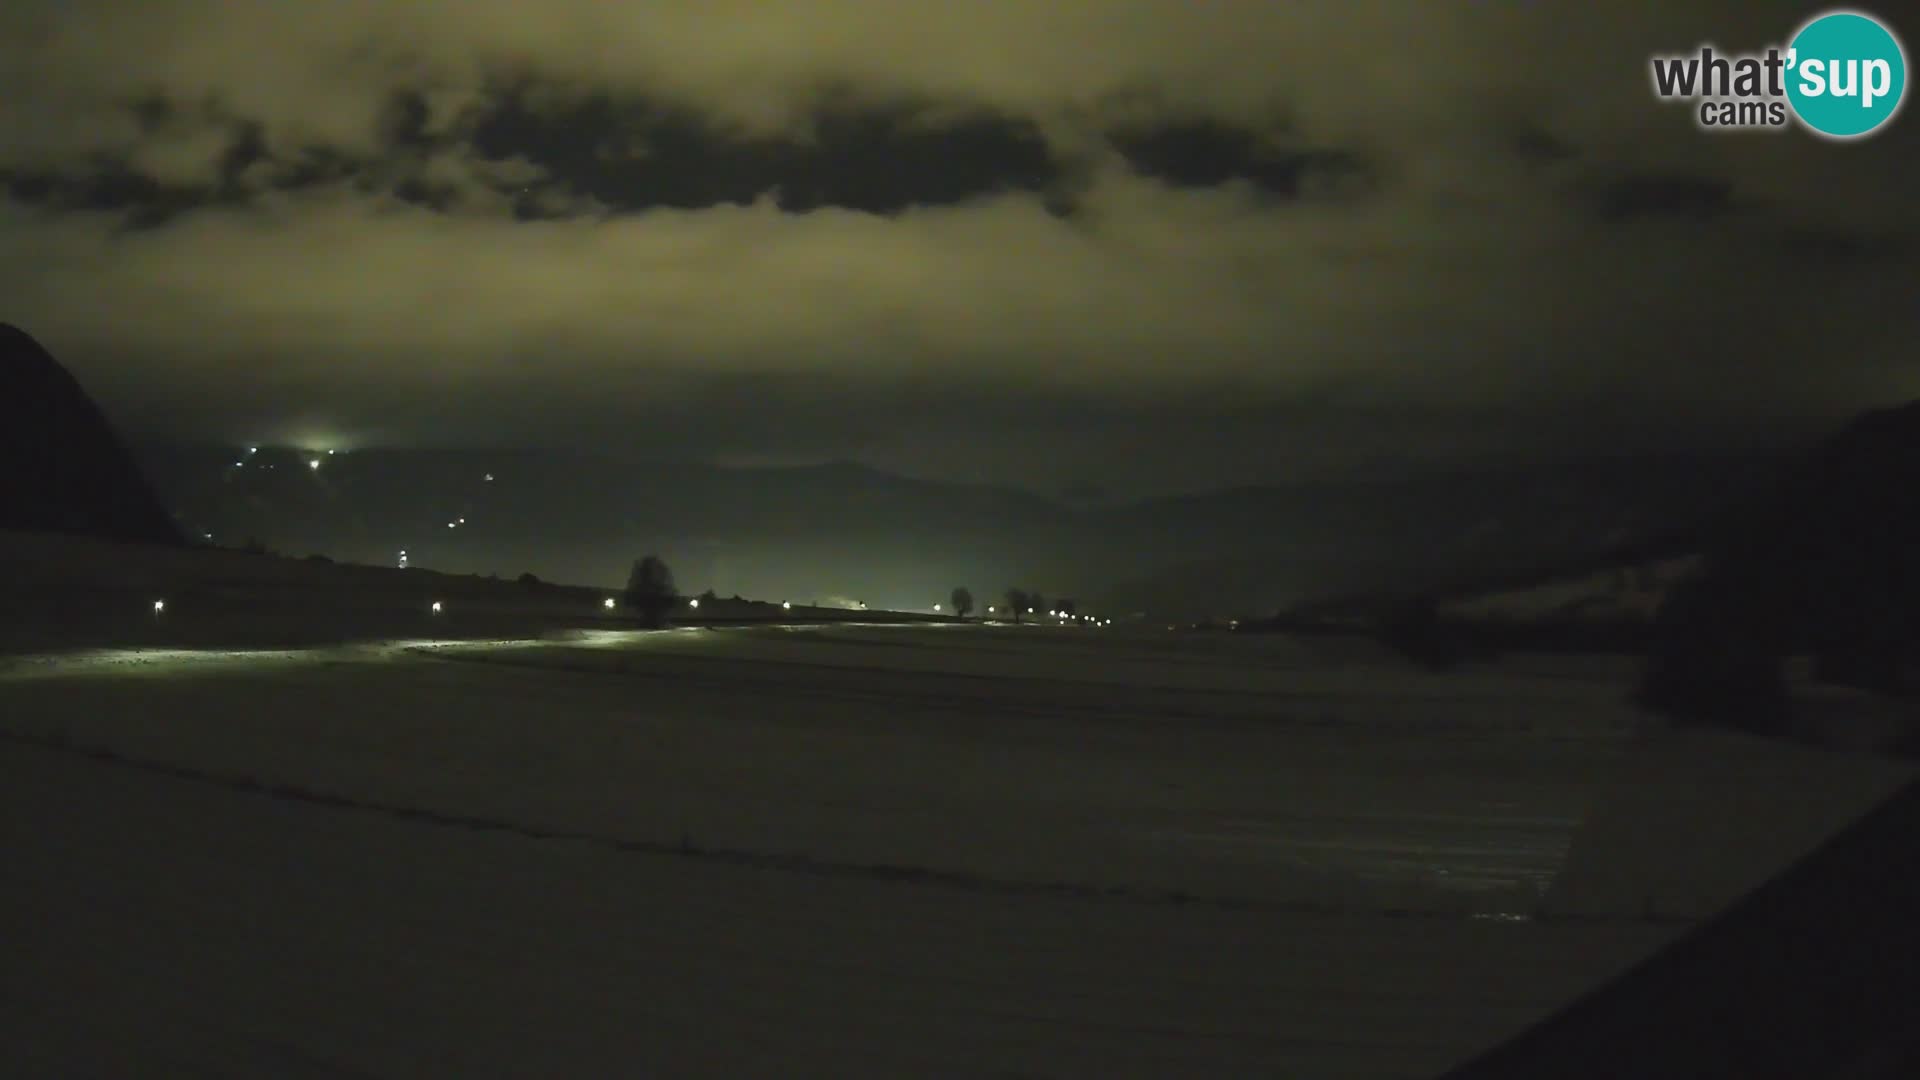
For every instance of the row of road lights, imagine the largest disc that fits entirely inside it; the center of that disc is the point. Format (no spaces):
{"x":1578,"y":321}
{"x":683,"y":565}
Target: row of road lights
{"x":694,"y":602}
{"x":439,"y":607}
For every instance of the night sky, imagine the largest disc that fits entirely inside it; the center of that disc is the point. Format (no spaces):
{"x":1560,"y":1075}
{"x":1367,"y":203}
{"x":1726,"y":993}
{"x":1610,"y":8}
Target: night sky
{"x":1114,"y":245}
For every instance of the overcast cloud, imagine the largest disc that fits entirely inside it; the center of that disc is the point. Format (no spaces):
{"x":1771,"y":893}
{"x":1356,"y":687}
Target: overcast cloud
{"x":1132,"y":243}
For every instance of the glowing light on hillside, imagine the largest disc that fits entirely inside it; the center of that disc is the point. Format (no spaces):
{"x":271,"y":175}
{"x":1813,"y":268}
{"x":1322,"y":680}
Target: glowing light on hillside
{"x":253,"y":449}
{"x":786,"y":605}
{"x":436,"y":608}
{"x":607,"y":603}
{"x":159,"y":606}
{"x":694,"y":603}
{"x":314,"y":465}
{"x":936,"y":607}
{"x":489,"y":478}
{"x":239,"y":464}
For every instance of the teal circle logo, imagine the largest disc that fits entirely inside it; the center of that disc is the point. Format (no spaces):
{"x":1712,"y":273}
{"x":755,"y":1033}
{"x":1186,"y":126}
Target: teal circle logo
{"x":1846,"y":75}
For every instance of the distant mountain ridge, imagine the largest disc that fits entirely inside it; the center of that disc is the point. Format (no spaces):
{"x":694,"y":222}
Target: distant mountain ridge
{"x":849,"y":530}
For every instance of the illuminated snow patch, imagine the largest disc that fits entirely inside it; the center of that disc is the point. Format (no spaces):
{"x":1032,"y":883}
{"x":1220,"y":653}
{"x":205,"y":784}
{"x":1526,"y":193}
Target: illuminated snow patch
{"x":151,"y":661}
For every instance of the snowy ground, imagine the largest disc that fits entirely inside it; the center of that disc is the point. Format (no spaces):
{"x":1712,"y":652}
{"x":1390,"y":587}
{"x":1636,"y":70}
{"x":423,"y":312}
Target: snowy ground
{"x":843,"y":850}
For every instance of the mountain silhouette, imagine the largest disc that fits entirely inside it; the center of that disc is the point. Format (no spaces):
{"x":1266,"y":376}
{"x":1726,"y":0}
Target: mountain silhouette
{"x":62,"y":467}
{"x":844,"y":529}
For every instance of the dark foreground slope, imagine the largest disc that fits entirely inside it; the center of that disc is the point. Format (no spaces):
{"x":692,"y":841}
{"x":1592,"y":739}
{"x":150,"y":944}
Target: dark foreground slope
{"x":62,"y":467}
{"x":1815,"y":975}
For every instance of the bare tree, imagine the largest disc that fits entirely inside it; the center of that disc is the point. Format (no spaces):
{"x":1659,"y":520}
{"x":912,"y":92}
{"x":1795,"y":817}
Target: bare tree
{"x":650,"y":590}
{"x":1017,"y":602}
{"x":962,"y":601}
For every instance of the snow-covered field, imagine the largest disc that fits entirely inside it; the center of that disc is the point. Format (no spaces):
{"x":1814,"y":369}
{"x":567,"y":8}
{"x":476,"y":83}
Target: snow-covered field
{"x":891,"y":850}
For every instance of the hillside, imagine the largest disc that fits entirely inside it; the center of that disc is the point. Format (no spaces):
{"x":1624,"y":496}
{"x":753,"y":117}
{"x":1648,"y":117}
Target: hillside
{"x":63,"y":468}
{"x":847,"y":530}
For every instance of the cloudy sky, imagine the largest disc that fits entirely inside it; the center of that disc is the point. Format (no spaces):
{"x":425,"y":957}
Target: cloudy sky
{"x":1120,"y":244}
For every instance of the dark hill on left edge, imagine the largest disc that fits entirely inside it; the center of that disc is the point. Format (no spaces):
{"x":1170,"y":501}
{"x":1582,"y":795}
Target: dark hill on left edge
{"x":62,"y":467}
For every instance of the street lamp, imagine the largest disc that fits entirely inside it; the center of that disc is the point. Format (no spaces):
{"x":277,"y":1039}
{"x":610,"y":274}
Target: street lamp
{"x":694,"y":603}
{"x":607,"y":603}
{"x":436,"y":608}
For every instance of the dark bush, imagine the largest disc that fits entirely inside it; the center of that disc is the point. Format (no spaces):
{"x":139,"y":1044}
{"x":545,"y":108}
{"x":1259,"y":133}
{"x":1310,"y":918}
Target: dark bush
{"x":650,"y":592}
{"x":1418,"y":632}
{"x":1715,"y":660}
